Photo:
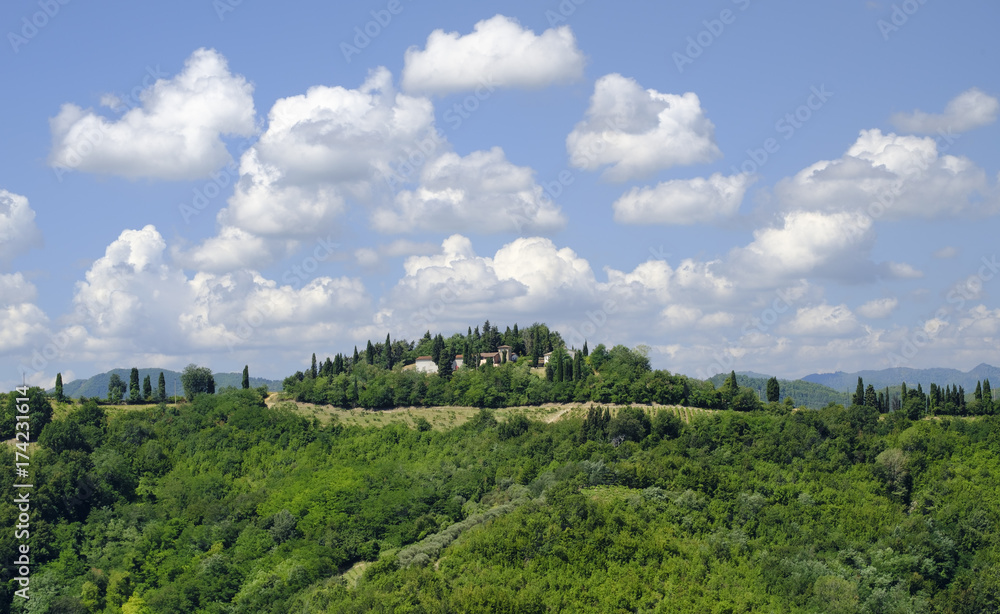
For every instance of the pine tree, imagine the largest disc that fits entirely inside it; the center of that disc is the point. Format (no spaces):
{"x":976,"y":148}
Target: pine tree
{"x":773,"y":390}
{"x":161,"y":388}
{"x":147,"y":389}
{"x":246,"y":377}
{"x":135,"y":393}
{"x":859,"y":394}
{"x":59,"y":387}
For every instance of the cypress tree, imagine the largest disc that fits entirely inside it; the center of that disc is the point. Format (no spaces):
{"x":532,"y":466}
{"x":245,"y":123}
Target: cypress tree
{"x":859,"y":394}
{"x":147,"y":389}
{"x":871,"y":399}
{"x":773,"y":390}
{"x":585,"y":351}
{"x":979,"y":391}
{"x":987,"y":397}
{"x":246,"y":377}
{"x":161,"y":388}
{"x":59,"y":387}
{"x":135,"y":393}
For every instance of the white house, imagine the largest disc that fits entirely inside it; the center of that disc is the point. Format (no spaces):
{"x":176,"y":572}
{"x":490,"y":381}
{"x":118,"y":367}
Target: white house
{"x":425,"y":364}
{"x":458,"y":362}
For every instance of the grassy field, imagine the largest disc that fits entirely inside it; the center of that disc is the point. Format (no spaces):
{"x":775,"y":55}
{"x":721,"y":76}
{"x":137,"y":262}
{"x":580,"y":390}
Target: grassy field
{"x":449,"y":417}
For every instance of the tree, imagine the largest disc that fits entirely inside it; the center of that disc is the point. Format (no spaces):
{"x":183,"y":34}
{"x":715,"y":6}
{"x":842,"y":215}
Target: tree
{"x":370,"y":353}
{"x":246,"y":377}
{"x":312,"y":367}
{"x":135,"y":393}
{"x":859,"y":394}
{"x":444,"y":364}
{"x":773,"y":390}
{"x":59,"y":387}
{"x":197,"y":380}
{"x":147,"y":389}
{"x":387,"y":354}
{"x":730,"y":388}
{"x":987,"y":397}
{"x":585,"y":352}
{"x":116,"y":389}
{"x":871,"y":399}
{"x":161,"y":389}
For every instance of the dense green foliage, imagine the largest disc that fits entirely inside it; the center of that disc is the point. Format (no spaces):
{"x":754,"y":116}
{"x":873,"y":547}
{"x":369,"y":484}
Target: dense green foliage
{"x":619,"y":375}
{"x":223,"y":505}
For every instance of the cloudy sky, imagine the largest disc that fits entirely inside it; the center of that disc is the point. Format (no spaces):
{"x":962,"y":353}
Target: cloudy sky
{"x":782,"y":187}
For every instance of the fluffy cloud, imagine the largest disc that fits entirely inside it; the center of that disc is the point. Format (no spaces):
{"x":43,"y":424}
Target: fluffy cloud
{"x":18,"y":232}
{"x":878,"y":308}
{"x":637,"y":132}
{"x":892,"y":177}
{"x":174,"y":134}
{"x":21,"y":321}
{"x":823,"y":321}
{"x":969,"y":110}
{"x":498,"y":52}
{"x":323,"y":146}
{"x":232,"y":249}
{"x":808,"y":243}
{"x":481,"y":192}
{"x":684,"y":201}
{"x":135,"y":302}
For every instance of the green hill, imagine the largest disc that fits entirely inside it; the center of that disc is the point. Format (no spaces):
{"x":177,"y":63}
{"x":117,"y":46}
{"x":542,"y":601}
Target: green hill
{"x":97,"y":385}
{"x":805,"y":394}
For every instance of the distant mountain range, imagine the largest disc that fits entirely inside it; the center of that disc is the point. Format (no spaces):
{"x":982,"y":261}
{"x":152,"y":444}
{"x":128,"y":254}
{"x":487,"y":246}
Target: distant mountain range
{"x":848,"y":382}
{"x":97,"y":386}
{"x":803,"y":393}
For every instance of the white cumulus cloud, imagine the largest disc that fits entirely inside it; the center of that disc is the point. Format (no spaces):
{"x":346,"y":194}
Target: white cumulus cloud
{"x":971,"y":109}
{"x":481,"y":192}
{"x":174,"y":134}
{"x":498,"y":52}
{"x":684,"y":201}
{"x":636,"y":132}
{"x":18,"y":231}
{"x":878,"y":308}
{"x":892,"y":177}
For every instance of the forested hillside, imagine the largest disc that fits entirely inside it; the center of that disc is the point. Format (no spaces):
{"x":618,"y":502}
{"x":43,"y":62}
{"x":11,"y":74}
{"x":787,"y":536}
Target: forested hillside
{"x":223,"y":505}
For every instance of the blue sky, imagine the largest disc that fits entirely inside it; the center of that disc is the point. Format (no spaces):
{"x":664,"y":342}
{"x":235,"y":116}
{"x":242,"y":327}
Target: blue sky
{"x":779,"y":187}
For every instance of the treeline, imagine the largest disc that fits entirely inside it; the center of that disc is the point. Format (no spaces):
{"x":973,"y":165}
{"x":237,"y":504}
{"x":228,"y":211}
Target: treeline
{"x":376,"y":379}
{"x":949,"y":400}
